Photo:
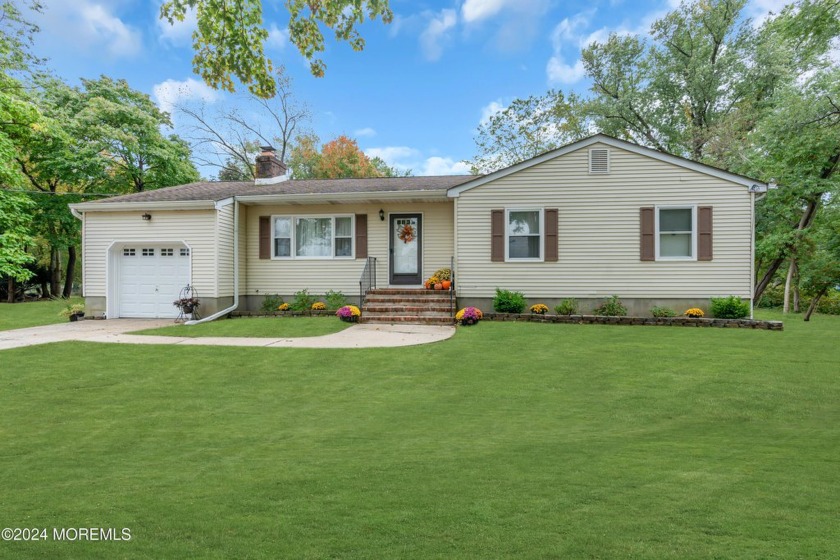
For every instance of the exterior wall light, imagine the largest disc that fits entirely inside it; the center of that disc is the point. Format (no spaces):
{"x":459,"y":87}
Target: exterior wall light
{"x":147,"y":217}
{"x":382,"y":214}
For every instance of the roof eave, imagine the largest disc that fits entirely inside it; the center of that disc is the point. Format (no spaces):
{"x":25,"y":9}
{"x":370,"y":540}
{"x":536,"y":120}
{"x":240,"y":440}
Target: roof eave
{"x":316,"y":198}
{"x":144,"y":205}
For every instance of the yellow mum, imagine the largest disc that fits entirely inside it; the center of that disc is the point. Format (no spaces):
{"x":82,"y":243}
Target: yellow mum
{"x":319,"y":306}
{"x":694,"y":312}
{"x":539,"y":309}
{"x":283,"y":307}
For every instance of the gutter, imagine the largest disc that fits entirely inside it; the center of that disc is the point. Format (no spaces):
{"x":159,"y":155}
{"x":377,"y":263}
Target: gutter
{"x":140,"y":206}
{"x":235,"y":271}
{"x":315,"y":198}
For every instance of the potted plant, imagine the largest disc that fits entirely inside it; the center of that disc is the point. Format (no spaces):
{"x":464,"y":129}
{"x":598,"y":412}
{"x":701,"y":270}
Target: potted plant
{"x":187,"y":304}
{"x":349,"y":313}
{"x":73,"y":312}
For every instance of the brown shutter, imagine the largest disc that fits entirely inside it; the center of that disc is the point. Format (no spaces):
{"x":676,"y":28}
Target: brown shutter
{"x":551,"y":234}
{"x":497,"y":235}
{"x":265,"y":237}
{"x":704,"y":233}
{"x":361,"y":236}
{"x":647,"y":223}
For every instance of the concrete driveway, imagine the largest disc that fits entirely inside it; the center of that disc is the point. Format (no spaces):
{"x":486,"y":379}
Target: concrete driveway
{"x":115,"y":331}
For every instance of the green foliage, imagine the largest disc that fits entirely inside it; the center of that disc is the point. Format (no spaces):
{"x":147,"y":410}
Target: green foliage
{"x":337,"y":159}
{"x":568,"y":306}
{"x":303,"y":301}
{"x":731,"y":307}
{"x":443,"y":274}
{"x":229,"y":41}
{"x":270,"y":303}
{"x":660,"y":311}
{"x":507,"y":301}
{"x":830,"y":303}
{"x":335,"y":300}
{"x":72,"y":309}
{"x":612,"y":307}
{"x":15,"y":218}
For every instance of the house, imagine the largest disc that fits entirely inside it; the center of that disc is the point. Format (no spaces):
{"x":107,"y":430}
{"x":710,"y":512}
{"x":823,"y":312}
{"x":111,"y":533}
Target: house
{"x":597,"y":217}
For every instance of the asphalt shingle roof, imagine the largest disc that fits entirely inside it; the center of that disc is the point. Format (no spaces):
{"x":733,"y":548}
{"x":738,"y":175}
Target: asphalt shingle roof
{"x":221,"y":190}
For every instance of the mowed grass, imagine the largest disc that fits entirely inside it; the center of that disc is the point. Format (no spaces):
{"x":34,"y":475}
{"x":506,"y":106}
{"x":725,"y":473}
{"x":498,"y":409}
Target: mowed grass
{"x":260,"y":327}
{"x":509,"y":440}
{"x":34,"y":313}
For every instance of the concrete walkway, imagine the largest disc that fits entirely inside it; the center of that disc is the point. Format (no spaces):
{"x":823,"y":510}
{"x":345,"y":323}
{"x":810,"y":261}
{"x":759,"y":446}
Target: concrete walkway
{"x":115,"y":331}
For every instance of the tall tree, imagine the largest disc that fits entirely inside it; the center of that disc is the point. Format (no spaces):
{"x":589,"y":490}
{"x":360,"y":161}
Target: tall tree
{"x":338,"y":159}
{"x":230,"y":37}
{"x":15,"y":216}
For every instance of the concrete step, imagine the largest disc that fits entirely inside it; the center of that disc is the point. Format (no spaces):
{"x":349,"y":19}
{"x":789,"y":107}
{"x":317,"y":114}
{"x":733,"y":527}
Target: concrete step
{"x":402,"y":309}
{"x":398,"y":299}
{"x":408,"y":291}
{"x":406,"y":319}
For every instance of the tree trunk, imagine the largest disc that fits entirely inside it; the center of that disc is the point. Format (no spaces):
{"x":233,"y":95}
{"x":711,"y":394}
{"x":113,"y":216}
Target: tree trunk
{"x":10,"y":285}
{"x":71,"y":271}
{"x":788,"y":280}
{"x":45,"y":288}
{"x":55,"y":272}
{"x":796,"y":295}
{"x":814,"y":303}
{"x":804,"y":223}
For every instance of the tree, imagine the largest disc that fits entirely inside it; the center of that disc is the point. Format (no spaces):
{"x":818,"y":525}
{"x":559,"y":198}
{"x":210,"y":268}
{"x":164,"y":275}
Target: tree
{"x":230,"y":139}
{"x":14,"y":239}
{"x":821,"y":267}
{"x":386,"y":170}
{"x":527,"y":128}
{"x":230,"y":37}
{"x":338,"y":159}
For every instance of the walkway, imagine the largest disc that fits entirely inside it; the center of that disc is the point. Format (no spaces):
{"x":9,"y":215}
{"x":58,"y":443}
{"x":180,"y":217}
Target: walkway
{"x":115,"y":331}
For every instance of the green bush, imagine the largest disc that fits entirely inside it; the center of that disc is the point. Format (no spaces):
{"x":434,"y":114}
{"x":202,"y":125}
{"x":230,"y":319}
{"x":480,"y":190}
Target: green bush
{"x":659,"y":311}
{"x":335,"y":300}
{"x":612,"y":307}
{"x":567,"y":307}
{"x":731,"y":307}
{"x":271,"y":303}
{"x":773,"y":296}
{"x":829,"y":303}
{"x":508,"y":302}
{"x":303,"y":301}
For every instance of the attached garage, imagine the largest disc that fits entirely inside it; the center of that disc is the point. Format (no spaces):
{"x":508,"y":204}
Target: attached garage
{"x":148,"y":278}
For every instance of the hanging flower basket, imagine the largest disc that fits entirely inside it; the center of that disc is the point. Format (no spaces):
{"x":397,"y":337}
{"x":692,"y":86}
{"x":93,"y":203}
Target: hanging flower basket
{"x":407,"y":233}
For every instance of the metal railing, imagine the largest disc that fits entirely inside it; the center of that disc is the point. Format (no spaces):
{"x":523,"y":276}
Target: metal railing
{"x":452,"y":287}
{"x":367,"y":281}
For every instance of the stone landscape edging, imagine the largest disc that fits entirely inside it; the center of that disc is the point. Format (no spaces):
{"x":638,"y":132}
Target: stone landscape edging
{"x":649,"y":321}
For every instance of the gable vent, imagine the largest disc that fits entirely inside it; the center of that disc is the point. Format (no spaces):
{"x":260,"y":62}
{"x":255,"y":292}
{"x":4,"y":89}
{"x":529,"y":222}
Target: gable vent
{"x":599,"y":160}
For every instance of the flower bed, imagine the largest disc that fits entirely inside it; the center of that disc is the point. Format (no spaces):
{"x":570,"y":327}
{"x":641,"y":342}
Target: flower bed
{"x":650,"y":321}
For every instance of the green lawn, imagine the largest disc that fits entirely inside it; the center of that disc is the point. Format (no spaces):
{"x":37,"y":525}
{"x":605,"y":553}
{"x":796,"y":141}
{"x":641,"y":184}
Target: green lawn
{"x":508,"y":440}
{"x":33,"y":313}
{"x":261,"y":327}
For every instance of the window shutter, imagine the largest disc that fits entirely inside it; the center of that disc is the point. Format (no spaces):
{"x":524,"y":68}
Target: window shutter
{"x":551,"y":234}
{"x":497,"y":235}
{"x":647,"y":224}
{"x":704,"y":233}
{"x":265,"y":237}
{"x":361,"y":236}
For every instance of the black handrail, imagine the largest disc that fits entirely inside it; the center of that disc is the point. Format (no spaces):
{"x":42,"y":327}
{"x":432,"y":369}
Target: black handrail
{"x":367,"y":281}
{"x":452,"y":286}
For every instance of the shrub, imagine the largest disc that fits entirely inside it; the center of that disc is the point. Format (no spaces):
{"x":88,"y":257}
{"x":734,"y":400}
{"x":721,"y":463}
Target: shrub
{"x":612,"y":307}
{"x":349,"y":313}
{"x":694,"y":313}
{"x":303,"y":301}
{"x":567,"y":307}
{"x":662,"y":312}
{"x":335,"y":300}
{"x":469,"y":316}
{"x":539,"y":309}
{"x":319,"y":306}
{"x":773,"y":296}
{"x":443,"y":274}
{"x":508,"y":302}
{"x":829,"y":303}
{"x":283,"y":307}
{"x":270,"y":303}
{"x":74,"y":309}
{"x":731,"y":307}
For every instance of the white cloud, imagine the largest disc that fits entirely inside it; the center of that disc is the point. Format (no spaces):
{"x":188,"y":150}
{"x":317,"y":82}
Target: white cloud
{"x":170,"y":93}
{"x":491,"y":109}
{"x":405,"y":158}
{"x":86,"y":26}
{"x":437,"y":33}
{"x":277,"y":37}
{"x":476,"y":10}
{"x":179,"y":32}
{"x":559,"y":72}
{"x":366,"y":132}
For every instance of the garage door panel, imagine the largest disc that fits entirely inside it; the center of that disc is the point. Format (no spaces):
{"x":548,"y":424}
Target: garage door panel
{"x":150,"y":278}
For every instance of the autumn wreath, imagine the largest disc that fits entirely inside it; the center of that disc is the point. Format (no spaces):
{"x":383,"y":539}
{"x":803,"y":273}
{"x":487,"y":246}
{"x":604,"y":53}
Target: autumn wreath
{"x":407,"y":233}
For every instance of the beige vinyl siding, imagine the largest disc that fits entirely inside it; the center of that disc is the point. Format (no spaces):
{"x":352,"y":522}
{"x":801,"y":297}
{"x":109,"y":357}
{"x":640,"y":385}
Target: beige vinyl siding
{"x":287,"y":276}
{"x":224,"y":251}
{"x":194,"y":227}
{"x":598,"y":241}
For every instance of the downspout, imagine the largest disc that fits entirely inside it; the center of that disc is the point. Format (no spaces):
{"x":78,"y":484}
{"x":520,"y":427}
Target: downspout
{"x":752,"y":254}
{"x":235,"y":271}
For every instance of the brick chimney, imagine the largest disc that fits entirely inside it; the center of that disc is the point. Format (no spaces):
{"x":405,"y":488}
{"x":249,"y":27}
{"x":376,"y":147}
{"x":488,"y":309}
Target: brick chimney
{"x":269,"y":168}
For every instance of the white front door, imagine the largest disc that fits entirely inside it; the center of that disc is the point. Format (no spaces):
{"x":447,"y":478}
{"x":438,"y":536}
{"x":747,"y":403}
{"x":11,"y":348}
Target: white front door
{"x":150,"y":278}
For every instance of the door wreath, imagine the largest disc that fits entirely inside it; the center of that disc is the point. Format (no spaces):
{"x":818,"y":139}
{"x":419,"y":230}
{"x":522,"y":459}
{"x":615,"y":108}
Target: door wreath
{"x":407,"y":234}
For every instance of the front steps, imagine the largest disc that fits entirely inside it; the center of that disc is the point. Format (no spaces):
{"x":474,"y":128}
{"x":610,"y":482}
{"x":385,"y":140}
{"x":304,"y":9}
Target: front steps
{"x":406,"y":305}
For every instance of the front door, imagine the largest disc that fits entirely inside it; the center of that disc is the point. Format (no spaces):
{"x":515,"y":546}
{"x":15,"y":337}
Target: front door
{"x":406,"y":249}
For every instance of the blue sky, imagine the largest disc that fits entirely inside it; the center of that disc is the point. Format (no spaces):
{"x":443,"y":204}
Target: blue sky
{"x":414,"y":96}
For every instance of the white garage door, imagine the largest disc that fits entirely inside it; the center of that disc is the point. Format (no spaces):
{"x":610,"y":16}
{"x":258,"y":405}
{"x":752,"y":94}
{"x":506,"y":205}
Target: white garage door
{"x":150,"y":279}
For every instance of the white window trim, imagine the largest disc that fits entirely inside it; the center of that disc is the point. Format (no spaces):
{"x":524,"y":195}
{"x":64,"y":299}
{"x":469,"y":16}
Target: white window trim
{"x":693,"y":208}
{"x":541,"y":212}
{"x":332,"y":256}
